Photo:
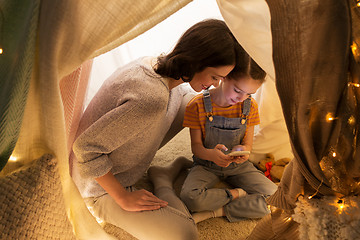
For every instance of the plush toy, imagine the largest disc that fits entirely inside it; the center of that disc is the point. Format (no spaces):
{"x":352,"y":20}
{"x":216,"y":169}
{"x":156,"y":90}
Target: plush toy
{"x":262,"y":163}
{"x":271,"y":168}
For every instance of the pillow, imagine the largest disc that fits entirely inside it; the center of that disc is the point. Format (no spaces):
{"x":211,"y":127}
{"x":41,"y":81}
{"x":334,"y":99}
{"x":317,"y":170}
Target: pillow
{"x":32,"y":204}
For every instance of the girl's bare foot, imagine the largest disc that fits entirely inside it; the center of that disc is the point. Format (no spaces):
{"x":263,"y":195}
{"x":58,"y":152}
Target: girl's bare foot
{"x":237,"y":192}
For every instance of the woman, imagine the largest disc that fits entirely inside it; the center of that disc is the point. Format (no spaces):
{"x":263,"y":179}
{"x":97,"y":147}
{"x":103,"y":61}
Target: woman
{"x":133,"y":114}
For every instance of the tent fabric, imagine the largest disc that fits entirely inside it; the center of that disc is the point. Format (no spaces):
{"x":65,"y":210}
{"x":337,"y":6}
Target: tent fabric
{"x":73,"y":88}
{"x":311,"y":46}
{"x":299,"y":56}
{"x":249,"y":21}
{"x":68,"y":34}
{"x":20,"y":18}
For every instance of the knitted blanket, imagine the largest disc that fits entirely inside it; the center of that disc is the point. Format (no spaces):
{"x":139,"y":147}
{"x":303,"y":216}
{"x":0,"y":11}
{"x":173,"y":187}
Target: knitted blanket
{"x":32,"y":203}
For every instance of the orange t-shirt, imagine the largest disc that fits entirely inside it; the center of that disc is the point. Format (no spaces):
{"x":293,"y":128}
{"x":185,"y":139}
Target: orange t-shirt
{"x":195,"y":114}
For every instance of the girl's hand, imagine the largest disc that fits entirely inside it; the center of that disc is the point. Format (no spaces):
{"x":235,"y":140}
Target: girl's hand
{"x":218,"y":157}
{"x":140,"y":200}
{"x":240,"y":159}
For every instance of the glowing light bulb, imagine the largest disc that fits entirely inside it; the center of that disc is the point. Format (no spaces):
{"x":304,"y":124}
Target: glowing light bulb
{"x":354,"y":48}
{"x":1,"y":51}
{"x":340,"y":205}
{"x":329,"y":117}
{"x":334,"y":154}
{"x":358,"y":4}
{"x":353,"y":84}
{"x":351,"y":120}
{"x":12,"y":158}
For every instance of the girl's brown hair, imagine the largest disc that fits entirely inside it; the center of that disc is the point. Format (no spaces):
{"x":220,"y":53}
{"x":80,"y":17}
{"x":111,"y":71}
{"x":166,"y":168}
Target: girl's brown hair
{"x":246,"y":66}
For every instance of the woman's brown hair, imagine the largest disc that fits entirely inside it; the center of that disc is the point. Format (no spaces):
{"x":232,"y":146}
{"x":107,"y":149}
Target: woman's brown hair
{"x":208,"y":43}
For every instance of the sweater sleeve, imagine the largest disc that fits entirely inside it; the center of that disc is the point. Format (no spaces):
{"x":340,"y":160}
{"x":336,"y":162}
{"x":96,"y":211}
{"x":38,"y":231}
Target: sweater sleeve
{"x":128,"y":118}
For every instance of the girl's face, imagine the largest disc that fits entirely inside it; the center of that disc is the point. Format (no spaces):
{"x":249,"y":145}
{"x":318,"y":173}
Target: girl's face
{"x":209,"y":76}
{"x":234,"y":91}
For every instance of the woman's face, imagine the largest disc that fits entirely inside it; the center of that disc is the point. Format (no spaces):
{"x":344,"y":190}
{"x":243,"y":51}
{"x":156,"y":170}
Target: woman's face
{"x":209,"y":76}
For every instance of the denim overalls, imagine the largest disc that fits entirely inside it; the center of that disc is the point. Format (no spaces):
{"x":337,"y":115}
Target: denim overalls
{"x":198,"y":192}
{"x":222,"y":130}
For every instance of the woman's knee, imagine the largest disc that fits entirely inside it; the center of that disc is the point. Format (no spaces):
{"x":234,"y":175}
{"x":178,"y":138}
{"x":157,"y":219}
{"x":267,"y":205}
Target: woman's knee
{"x":179,"y":227}
{"x":188,"y":232}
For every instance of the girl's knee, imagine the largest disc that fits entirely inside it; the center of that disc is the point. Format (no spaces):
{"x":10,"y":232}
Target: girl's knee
{"x":193,"y":199}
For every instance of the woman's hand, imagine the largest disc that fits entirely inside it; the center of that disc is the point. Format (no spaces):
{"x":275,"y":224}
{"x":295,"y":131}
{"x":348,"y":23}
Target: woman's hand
{"x":218,"y":156}
{"x":140,"y":200}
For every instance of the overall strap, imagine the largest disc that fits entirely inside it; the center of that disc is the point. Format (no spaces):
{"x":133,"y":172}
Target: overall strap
{"x":207,"y":104}
{"x":246,"y":106}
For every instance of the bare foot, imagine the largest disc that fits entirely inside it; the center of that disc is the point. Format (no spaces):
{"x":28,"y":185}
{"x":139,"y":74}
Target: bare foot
{"x":237,"y":192}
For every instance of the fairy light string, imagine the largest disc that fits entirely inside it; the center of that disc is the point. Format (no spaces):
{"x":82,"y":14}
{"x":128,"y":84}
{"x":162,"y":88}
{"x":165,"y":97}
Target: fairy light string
{"x":340,"y":203}
{"x":317,"y":190}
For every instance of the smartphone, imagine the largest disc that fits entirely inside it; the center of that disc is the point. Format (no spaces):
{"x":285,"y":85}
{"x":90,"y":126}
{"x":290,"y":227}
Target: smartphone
{"x":238,"y":153}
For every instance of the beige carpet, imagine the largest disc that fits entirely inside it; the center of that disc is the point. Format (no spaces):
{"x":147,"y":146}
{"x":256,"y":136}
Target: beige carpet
{"x":212,"y":229}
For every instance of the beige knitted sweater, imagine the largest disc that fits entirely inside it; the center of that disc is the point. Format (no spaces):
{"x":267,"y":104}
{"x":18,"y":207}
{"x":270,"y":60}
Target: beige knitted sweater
{"x":123,"y":126}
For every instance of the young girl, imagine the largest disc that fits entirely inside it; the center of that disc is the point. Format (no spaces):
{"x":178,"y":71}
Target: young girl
{"x":222,"y":120}
{"x":132,"y":115}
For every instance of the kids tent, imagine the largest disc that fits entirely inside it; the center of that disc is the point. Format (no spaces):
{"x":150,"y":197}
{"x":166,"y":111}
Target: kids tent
{"x":47,"y":47}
